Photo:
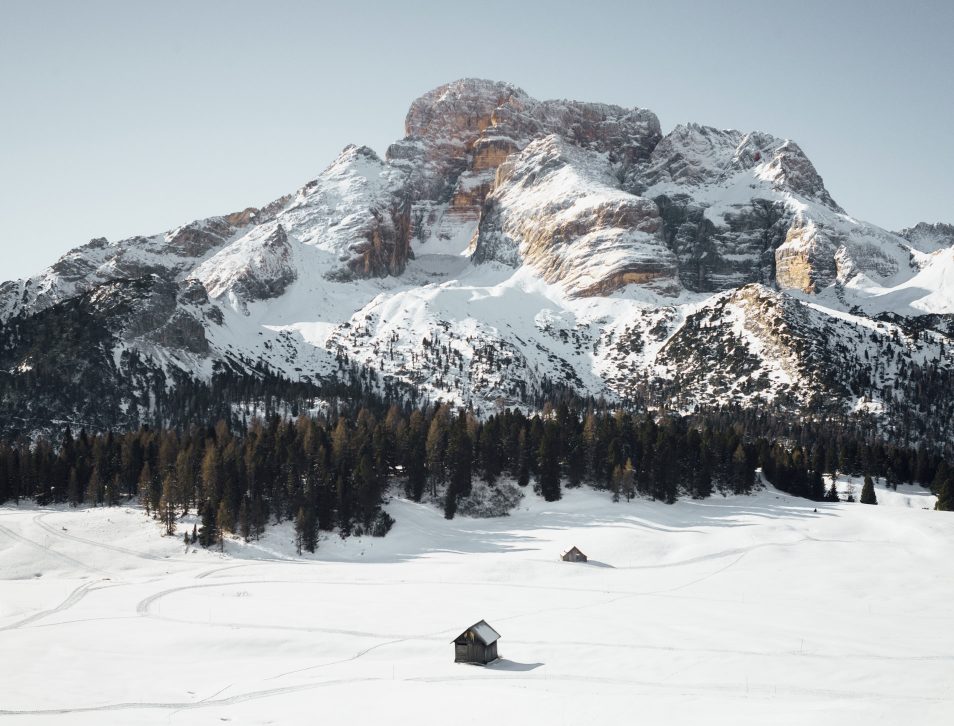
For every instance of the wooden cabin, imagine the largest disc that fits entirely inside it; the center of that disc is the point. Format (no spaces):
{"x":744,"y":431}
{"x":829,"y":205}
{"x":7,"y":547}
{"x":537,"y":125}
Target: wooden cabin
{"x":477,"y":644}
{"x":573,"y":555}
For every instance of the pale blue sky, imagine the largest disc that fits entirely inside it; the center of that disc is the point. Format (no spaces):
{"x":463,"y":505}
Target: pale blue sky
{"x":123,"y":118}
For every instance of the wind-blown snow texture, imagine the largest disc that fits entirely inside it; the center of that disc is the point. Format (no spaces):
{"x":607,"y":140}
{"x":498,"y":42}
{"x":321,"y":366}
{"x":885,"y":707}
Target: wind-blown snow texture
{"x":530,"y":243}
{"x":744,"y":610}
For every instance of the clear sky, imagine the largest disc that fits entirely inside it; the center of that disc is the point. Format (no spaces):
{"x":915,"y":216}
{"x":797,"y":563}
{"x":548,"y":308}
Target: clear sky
{"x":124,"y":118}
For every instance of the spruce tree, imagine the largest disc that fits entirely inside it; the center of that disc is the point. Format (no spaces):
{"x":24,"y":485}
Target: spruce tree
{"x":73,"y":488}
{"x":945,"y":495}
{"x":94,"y":490}
{"x":223,"y":519}
{"x":146,"y":488}
{"x":868,"y":491}
{"x":208,"y":532}
{"x":549,"y":462}
{"x":167,"y":504}
{"x":300,"y":530}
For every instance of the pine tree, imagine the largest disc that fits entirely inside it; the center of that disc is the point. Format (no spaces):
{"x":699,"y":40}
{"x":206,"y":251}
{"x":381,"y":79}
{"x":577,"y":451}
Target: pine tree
{"x":167,"y":504}
{"x":94,"y":490}
{"x":945,"y":494}
{"x":628,"y":480}
{"x":450,"y":500}
{"x":245,"y":523}
{"x":523,"y":458}
{"x":415,"y":464}
{"x":208,"y":532}
{"x":868,"y":491}
{"x":73,"y":488}
{"x":549,"y":458}
{"x":300,"y":530}
{"x":224,"y":523}
{"x":146,"y":488}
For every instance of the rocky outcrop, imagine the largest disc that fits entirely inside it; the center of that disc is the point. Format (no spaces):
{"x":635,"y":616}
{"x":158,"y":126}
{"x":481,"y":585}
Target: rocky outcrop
{"x":805,"y":260}
{"x":692,"y":155}
{"x":357,"y":213}
{"x":460,"y":133}
{"x":560,"y":209}
{"x":258,"y":266}
{"x":929,"y":238}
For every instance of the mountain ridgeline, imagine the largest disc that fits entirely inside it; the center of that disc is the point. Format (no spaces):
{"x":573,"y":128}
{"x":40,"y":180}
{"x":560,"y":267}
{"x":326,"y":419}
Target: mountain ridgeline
{"x":506,"y":252}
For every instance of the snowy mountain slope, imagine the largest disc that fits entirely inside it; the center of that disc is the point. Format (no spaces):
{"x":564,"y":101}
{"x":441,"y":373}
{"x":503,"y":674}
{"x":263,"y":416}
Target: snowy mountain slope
{"x":507,"y":247}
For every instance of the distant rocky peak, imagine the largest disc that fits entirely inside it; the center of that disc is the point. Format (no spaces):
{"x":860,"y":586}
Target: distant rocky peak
{"x":694,"y":155}
{"x":790,"y":170}
{"x":926,"y":237}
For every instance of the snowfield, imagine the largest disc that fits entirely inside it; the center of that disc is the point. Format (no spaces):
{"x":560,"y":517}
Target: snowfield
{"x":738,"y":610}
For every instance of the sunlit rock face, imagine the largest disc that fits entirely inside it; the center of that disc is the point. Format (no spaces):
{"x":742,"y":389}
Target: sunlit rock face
{"x":459,"y":134}
{"x":560,"y":209}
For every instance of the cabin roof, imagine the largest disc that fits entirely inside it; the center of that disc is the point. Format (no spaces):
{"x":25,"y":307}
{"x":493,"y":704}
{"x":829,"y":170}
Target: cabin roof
{"x":483,"y":631}
{"x":574,"y":548}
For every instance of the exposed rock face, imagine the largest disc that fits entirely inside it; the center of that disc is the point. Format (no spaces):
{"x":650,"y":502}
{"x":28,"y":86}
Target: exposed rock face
{"x":929,"y":238}
{"x":805,"y":260}
{"x":356,"y":210}
{"x":256,"y":267}
{"x":458,"y":134}
{"x":693,"y":155}
{"x":560,"y":209}
{"x":172,"y":255}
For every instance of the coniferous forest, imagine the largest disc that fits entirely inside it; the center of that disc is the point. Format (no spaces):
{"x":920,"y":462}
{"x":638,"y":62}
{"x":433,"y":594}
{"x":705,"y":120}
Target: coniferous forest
{"x":332,"y":471}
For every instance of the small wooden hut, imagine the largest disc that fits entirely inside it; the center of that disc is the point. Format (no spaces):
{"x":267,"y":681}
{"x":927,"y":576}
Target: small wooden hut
{"x":574,"y":554}
{"x":477,"y":644}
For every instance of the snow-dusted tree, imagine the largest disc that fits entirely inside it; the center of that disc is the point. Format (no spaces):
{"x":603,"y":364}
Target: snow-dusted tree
{"x":832,"y":494}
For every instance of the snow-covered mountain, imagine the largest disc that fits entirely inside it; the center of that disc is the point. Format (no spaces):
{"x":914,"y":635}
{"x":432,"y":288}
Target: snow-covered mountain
{"x":504,"y":247}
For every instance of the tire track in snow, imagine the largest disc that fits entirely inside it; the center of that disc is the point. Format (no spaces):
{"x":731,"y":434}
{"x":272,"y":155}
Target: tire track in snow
{"x":48,"y":550}
{"x":188,"y":705}
{"x":216,"y":570}
{"x":144,"y":609}
{"x":737,"y":690}
{"x":74,"y":597}
{"x":102,"y":545}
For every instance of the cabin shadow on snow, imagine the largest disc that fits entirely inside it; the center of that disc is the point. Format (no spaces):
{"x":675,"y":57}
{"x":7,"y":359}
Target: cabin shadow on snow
{"x":503,"y":664}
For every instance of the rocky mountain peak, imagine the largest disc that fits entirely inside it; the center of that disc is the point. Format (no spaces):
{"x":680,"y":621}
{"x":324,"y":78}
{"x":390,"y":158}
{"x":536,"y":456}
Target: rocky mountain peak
{"x":456,"y":113}
{"x":926,"y":237}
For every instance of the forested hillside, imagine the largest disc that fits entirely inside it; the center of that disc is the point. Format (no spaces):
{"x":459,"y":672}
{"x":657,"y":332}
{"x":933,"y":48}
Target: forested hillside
{"x":333,"y":471}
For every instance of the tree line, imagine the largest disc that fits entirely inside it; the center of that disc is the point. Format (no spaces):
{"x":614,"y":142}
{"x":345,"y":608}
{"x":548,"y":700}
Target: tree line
{"x":333,"y":471}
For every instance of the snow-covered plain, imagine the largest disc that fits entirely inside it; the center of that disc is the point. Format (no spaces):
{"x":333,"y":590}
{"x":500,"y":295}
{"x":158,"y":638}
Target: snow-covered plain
{"x":736,"y":610}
